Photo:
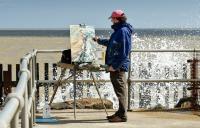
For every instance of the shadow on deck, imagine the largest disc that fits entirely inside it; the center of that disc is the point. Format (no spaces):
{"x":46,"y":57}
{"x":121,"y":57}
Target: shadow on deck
{"x":96,"y":119}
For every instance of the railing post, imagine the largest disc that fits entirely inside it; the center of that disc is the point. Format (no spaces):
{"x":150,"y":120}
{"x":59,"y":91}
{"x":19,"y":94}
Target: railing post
{"x":37,"y":96}
{"x":129,"y":83}
{"x":194,"y":85}
{"x":25,"y":117}
{"x":17,"y":71}
{"x":1,"y":84}
{"x":25,"y":112}
{"x":7,"y":76}
{"x":29,"y":85}
{"x":46,"y":86}
{"x":34,"y":86}
{"x":15,"y":120}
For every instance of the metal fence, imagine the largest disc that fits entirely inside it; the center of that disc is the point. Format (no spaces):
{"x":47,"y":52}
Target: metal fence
{"x":193,"y":80}
{"x":23,"y":98}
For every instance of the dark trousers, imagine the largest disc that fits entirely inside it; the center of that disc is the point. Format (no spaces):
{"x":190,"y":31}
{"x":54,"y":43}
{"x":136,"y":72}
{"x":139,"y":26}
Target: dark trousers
{"x":118,"y":79}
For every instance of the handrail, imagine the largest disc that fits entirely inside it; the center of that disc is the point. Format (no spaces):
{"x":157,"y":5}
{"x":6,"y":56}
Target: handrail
{"x":50,"y":51}
{"x":20,"y":99}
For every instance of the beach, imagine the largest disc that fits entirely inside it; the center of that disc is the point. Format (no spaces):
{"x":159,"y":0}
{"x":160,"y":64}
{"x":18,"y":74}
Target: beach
{"x":13,"y":48}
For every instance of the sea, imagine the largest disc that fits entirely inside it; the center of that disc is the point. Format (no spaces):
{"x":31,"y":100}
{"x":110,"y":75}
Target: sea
{"x":100,"y":32}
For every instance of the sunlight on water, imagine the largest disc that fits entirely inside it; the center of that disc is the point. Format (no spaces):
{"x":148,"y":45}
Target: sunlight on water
{"x":145,"y":66}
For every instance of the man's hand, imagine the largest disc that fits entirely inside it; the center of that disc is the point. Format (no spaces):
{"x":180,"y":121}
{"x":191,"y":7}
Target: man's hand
{"x":95,"y":38}
{"x":111,"y":69}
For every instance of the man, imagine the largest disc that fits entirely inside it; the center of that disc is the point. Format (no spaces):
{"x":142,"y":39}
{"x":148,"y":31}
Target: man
{"x":117,"y":52}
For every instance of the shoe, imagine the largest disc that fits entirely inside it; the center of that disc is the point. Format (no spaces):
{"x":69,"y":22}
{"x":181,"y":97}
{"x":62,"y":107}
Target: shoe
{"x":118,"y":119}
{"x":110,"y":117}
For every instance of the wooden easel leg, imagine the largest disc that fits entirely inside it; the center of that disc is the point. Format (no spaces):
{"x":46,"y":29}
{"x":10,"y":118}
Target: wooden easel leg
{"x":57,"y":84}
{"x":95,"y":84}
{"x":74,"y":73}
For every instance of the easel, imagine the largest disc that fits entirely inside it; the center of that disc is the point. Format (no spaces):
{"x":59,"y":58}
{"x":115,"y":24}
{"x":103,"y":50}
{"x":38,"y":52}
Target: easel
{"x":75,"y":68}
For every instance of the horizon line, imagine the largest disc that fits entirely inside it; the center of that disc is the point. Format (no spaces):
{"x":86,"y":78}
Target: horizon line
{"x":176,"y":28}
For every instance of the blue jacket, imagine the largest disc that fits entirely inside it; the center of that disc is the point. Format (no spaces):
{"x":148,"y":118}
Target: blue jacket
{"x":118,"y":46}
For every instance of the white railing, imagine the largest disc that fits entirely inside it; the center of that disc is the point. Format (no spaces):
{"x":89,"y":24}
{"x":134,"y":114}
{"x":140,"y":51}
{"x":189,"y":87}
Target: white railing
{"x":22,"y":99}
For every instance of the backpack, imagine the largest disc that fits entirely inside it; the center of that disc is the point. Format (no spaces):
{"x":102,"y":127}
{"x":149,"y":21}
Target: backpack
{"x":66,"y":56}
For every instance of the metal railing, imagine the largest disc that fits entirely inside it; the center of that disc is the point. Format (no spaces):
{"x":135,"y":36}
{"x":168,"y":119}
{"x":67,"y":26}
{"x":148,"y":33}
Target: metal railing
{"x":23,"y":98}
{"x":157,"y":80}
{"x":161,"y":80}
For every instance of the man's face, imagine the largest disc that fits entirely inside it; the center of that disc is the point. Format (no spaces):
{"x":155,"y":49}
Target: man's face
{"x":114,"y":20}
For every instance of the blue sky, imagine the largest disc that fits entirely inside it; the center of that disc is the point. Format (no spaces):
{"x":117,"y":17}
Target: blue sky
{"x":62,"y":13}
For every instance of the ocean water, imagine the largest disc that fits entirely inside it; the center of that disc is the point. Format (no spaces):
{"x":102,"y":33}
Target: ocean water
{"x":143,"y":66}
{"x":101,"y":32}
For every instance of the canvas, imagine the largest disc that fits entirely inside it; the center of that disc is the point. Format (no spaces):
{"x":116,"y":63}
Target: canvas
{"x":83,"y":48}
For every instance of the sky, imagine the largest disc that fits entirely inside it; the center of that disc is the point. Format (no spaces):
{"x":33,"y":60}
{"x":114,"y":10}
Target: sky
{"x":56,"y":14}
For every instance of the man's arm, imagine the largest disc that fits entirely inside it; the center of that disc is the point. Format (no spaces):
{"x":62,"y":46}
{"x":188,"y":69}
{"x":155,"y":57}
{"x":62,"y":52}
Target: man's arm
{"x":101,"y":41}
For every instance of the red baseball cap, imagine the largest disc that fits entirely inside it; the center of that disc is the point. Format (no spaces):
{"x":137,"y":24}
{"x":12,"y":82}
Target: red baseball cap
{"x":116,"y":14}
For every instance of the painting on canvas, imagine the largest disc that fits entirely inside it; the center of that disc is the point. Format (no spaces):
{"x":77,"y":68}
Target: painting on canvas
{"x":83,"y":48}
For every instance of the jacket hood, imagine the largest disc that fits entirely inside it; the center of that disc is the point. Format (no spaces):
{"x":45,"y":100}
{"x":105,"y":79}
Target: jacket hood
{"x":120,"y":25}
